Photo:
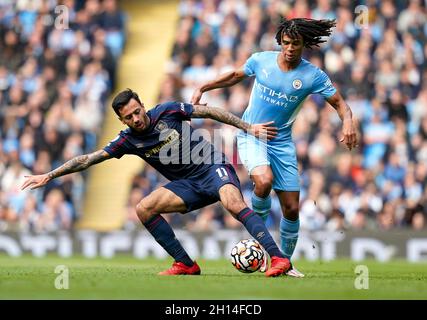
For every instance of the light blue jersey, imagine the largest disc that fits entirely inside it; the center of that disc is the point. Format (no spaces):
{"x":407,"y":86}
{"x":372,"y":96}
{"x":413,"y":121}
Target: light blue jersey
{"x":278,"y":96}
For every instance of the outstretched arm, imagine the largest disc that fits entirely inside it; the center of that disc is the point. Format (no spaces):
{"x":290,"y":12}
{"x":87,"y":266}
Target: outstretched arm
{"x":225,"y":80}
{"x":344,"y":112}
{"x":262,"y":130}
{"x":74,"y":165}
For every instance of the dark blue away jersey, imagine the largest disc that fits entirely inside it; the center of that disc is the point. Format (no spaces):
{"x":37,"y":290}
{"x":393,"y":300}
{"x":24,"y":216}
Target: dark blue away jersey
{"x":169,"y":144}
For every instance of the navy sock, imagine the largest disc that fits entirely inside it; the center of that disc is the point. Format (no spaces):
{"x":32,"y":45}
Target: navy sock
{"x":164,"y":235}
{"x":257,"y":229}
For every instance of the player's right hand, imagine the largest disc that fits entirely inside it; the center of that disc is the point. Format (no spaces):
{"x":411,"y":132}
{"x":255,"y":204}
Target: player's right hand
{"x":263,"y":130}
{"x":36,"y":181}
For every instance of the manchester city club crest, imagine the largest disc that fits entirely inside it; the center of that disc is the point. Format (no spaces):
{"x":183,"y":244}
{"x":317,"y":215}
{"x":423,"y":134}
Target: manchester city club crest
{"x":297,"y":84}
{"x":160,"y":126}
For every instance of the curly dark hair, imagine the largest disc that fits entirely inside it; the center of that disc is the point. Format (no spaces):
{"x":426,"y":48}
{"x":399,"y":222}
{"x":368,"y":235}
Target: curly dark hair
{"x":310,"y":30}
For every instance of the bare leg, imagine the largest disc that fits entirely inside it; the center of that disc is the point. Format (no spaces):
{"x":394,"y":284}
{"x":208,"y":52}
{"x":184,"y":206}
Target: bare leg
{"x":262,"y":177}
{"x":289,"y":202}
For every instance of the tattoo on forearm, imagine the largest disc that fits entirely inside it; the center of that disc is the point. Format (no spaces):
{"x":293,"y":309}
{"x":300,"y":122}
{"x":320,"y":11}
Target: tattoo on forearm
{"x":78,"y":164}
{"x":220,"y":115}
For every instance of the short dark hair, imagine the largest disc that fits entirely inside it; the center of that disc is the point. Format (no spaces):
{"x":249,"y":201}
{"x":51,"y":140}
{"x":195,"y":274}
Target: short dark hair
{"x":310,"y":30}
{"x":123,"y":98}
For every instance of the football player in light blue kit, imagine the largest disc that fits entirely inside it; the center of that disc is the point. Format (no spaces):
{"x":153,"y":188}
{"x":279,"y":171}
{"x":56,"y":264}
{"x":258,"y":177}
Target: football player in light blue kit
{"x":283,"y":79}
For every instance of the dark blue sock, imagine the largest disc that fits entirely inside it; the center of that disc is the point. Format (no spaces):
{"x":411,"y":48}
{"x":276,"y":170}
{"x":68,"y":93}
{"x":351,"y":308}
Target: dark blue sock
{"x":257,"y":229}
{"x":164,"y":235}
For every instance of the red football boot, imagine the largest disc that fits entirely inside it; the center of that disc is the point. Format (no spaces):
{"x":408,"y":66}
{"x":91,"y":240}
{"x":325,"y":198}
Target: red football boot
{"x":278,"y":267}
{"x":178,"y":268}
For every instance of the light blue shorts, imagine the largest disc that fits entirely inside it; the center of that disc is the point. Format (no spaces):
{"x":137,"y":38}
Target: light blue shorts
{"x":281,"y":157}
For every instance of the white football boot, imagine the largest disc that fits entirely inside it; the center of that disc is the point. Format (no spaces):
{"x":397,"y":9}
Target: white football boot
{"x":292,"y":272}
{"x":264,"y":265}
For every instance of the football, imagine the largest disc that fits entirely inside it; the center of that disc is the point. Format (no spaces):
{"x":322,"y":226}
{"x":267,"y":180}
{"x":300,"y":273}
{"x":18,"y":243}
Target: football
{"x":247,"y":255}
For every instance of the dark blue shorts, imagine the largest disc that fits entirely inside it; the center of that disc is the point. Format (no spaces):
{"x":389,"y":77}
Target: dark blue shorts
{"x":202,"y":190}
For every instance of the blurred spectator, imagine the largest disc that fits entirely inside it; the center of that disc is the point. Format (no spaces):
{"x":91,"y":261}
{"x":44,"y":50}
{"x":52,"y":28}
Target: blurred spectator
{"x":54,"y":84}
{"x":362,"y":221}
{"x":55,"y":213}
{"x":336,"y":221}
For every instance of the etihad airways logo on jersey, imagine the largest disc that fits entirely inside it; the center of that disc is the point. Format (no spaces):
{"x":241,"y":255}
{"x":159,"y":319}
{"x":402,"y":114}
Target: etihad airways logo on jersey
{"x":273,"y":96}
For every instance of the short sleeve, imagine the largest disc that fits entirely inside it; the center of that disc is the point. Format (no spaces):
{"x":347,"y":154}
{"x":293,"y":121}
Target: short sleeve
{"x":250,"y":65}
{"x":178,"y":110}
{"x":117,"y":147}
{"x":323,"y":85}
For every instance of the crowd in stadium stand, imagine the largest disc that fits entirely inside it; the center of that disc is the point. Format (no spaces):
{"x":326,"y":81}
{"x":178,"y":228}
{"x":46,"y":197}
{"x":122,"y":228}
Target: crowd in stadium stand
{"x":57,"y":68}
{"x":380,"y":69}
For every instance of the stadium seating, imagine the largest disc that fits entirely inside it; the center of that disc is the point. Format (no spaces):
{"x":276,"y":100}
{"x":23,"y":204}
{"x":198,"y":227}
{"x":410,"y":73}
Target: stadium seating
{"x":57,"y":69}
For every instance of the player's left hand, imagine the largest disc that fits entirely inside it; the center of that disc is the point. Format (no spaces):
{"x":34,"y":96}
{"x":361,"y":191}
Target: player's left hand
{"x":263,"y":130}
{"x":349,"y":134}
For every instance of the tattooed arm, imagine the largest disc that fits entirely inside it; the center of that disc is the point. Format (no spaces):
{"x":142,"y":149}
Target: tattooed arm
{"x":262,"y":130}
{"x":76,"y":164}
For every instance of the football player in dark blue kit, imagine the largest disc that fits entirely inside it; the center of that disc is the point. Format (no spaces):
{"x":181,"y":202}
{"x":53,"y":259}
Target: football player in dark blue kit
{"x":199,"y":174}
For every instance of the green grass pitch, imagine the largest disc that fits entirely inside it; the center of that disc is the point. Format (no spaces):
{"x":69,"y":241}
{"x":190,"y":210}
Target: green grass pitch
{"x":129,"y":278}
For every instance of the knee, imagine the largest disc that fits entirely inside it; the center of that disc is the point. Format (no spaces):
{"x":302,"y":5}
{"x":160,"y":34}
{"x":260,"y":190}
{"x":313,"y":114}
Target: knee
{"x":263,"y":186}
{"x":291,"y":211}
{"x":144,"y":211}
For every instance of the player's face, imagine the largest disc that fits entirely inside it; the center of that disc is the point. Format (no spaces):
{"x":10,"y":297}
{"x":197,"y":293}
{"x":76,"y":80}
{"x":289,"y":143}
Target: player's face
{"x":133,"y":115}
{"x":292,"y":48}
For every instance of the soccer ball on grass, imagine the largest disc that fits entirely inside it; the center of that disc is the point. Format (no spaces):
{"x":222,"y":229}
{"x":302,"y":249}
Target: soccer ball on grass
{"x":247,"y":255}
